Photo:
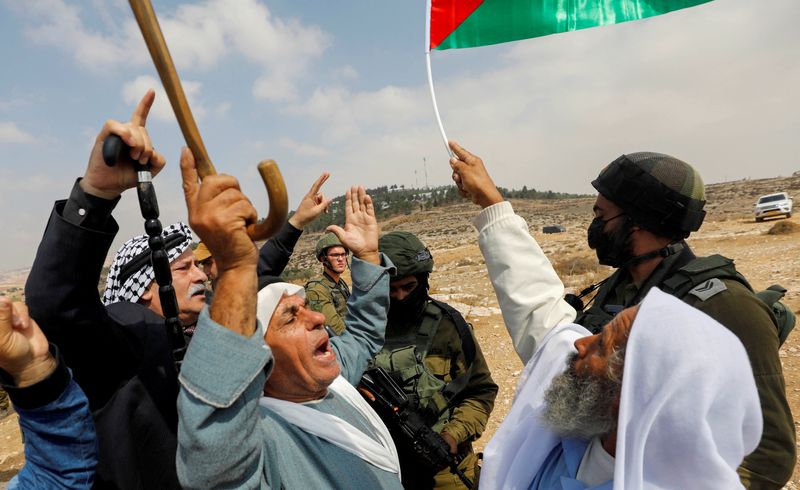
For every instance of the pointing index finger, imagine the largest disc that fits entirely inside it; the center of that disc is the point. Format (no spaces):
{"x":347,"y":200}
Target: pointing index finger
{"x":317,"y":185}
{"x":139,"y":117}
{"x":461,"y":153}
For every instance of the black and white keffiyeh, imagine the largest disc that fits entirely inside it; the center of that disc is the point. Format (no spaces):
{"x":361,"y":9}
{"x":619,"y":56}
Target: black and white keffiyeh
{"x":131,"y":271}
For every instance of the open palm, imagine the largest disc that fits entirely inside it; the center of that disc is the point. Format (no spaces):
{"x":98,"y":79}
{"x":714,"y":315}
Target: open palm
{"x":360,"y":232}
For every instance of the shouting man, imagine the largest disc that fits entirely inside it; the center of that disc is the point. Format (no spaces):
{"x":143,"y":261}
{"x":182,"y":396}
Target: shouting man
{"x":267,"y":398}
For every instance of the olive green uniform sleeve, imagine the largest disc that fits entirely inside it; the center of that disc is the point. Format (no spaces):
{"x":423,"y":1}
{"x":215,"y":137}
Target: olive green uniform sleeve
{"x":476,"y":401}
{"x":770,"y":466}
{"x":319,"y":299}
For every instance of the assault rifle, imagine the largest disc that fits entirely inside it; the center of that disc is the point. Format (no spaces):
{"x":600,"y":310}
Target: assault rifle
{"x":394,"y":408}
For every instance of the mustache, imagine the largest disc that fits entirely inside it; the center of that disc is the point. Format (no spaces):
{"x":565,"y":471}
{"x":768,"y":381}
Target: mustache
{"x":196,"y":288}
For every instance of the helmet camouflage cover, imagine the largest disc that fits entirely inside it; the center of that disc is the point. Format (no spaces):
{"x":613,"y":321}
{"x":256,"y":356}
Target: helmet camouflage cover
{"x":660,"y":193}
{"x":327,"y":241}
{"x":408,"y":254}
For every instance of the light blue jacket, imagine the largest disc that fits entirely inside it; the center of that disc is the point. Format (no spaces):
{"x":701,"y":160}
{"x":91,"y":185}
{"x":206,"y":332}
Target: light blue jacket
{"x":559,"y":470}
{"x":225,"y":439}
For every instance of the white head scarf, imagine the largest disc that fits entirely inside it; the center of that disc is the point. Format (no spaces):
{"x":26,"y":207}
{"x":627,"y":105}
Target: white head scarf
{"x":270,"y":296}
{"x":136,"y":252}
{"x":689,"y":409}
{"x":379,"y":452}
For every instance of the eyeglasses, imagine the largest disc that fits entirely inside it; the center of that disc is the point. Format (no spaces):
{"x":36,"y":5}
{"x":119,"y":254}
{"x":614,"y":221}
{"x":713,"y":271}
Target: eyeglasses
{"x":342,"y":255}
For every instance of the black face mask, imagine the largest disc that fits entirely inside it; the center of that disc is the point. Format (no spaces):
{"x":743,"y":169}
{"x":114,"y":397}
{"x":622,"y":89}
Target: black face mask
{"x":410,"y":307}
{"x":612,"y":249}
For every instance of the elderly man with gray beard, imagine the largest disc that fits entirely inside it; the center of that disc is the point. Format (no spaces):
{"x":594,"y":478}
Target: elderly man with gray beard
{"x":663,"y":397}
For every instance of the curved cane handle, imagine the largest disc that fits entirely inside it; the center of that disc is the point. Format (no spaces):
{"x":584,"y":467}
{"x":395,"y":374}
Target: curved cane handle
{"x":278,"y":202}
{"x":276,"y":189}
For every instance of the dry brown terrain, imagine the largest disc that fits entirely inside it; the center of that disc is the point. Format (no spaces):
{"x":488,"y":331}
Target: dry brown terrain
{"x":460,"y":275}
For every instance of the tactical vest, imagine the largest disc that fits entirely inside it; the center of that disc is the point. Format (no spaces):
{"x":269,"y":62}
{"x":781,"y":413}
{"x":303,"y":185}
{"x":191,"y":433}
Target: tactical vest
{"x":403,"y":358}
{"x":701,"y":277}
{"x":337,"y":294}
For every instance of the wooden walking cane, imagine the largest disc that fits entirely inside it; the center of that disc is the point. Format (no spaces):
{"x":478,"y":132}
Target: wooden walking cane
{"x":273,"y":181}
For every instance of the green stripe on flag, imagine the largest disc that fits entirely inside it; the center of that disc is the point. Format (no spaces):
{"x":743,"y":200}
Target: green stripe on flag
{"x":499,"y":21}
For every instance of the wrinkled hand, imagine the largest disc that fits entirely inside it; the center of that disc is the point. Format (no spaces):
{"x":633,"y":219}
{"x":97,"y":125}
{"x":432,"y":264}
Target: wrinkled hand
{"x":360,"y":232}
{"x":109,"y":182}
{"x":472,"y":179}
{"x":219,"y":213}
{"x":312,"y":205}
{"x":24,"y":351}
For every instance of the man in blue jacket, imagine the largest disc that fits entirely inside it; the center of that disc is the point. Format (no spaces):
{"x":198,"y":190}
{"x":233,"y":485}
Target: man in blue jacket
{"x":60,"y":442}
{"x":278,"y":409}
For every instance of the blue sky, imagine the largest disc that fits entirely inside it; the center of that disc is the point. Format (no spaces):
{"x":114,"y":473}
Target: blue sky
{"x":340,"y":86}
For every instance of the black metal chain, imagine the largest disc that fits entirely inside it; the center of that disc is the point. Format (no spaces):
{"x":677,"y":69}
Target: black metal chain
{"x":113,"y":150}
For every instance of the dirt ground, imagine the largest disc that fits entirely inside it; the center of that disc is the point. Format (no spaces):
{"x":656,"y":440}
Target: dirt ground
{"x":460,"y":275}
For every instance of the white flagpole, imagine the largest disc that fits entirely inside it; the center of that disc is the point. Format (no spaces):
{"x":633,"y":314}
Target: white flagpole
{"x":430,"y":76}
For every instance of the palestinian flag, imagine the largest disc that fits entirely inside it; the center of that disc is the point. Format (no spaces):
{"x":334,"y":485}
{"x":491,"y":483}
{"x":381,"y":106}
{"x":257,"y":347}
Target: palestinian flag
{"x":470,"y":23}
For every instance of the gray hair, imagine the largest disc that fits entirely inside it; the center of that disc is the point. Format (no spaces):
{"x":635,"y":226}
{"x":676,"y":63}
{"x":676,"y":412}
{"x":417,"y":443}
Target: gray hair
{"x":616,"y":364}
{"x":584,"y":406}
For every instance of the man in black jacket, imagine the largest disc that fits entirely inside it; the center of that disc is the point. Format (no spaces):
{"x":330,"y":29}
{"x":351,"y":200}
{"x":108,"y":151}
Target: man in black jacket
{"x":120,"y":354}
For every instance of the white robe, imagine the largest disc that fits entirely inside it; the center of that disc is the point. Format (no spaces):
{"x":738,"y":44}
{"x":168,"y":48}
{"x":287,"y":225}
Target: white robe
{"x":530,"y":296}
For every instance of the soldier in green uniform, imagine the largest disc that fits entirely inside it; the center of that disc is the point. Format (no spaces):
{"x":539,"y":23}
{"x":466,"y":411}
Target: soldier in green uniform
{"x":431,"y":352}
{"x":328,"y":294}
{"x":648,"y":204}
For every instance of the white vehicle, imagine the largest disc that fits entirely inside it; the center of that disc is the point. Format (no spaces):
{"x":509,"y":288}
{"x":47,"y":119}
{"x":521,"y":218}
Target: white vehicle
{"x":773,"y":205}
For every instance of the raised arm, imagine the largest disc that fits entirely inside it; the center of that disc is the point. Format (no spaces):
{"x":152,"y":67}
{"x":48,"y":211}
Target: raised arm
{"x":223,"y":373}
{"x":276,"y":252}
{"x":60,"y":441}
{"x":61,"y":290}
{"x":369,"y":302}
{"x":529,"y":292}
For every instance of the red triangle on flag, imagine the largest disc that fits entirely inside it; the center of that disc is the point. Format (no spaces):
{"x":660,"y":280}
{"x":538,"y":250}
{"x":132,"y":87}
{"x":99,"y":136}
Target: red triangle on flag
{"x":447,"y":15}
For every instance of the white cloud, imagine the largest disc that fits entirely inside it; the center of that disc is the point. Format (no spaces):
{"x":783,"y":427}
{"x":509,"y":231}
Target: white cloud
{"x":304,"y":149}
{"x":714,"y":89}
{"x":222,"y":108}
{"x":346,"y":114}
{"x":199,"y":36}
{"x":55,"y":23}
{"x":275,"y":87}
{"x":133,"y":91}
{"x":347,"y":72}
{"x":11,"y":133}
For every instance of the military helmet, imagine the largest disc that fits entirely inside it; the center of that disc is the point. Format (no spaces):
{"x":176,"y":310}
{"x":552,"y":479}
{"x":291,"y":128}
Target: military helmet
{"x":408,"y":254}
{"x":327,"y":241}
{"x":660,"y":193}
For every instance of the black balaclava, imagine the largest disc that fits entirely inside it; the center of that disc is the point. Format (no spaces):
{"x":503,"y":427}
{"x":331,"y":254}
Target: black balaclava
{"x":614,"y":248}
{"x":410,"y":308}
